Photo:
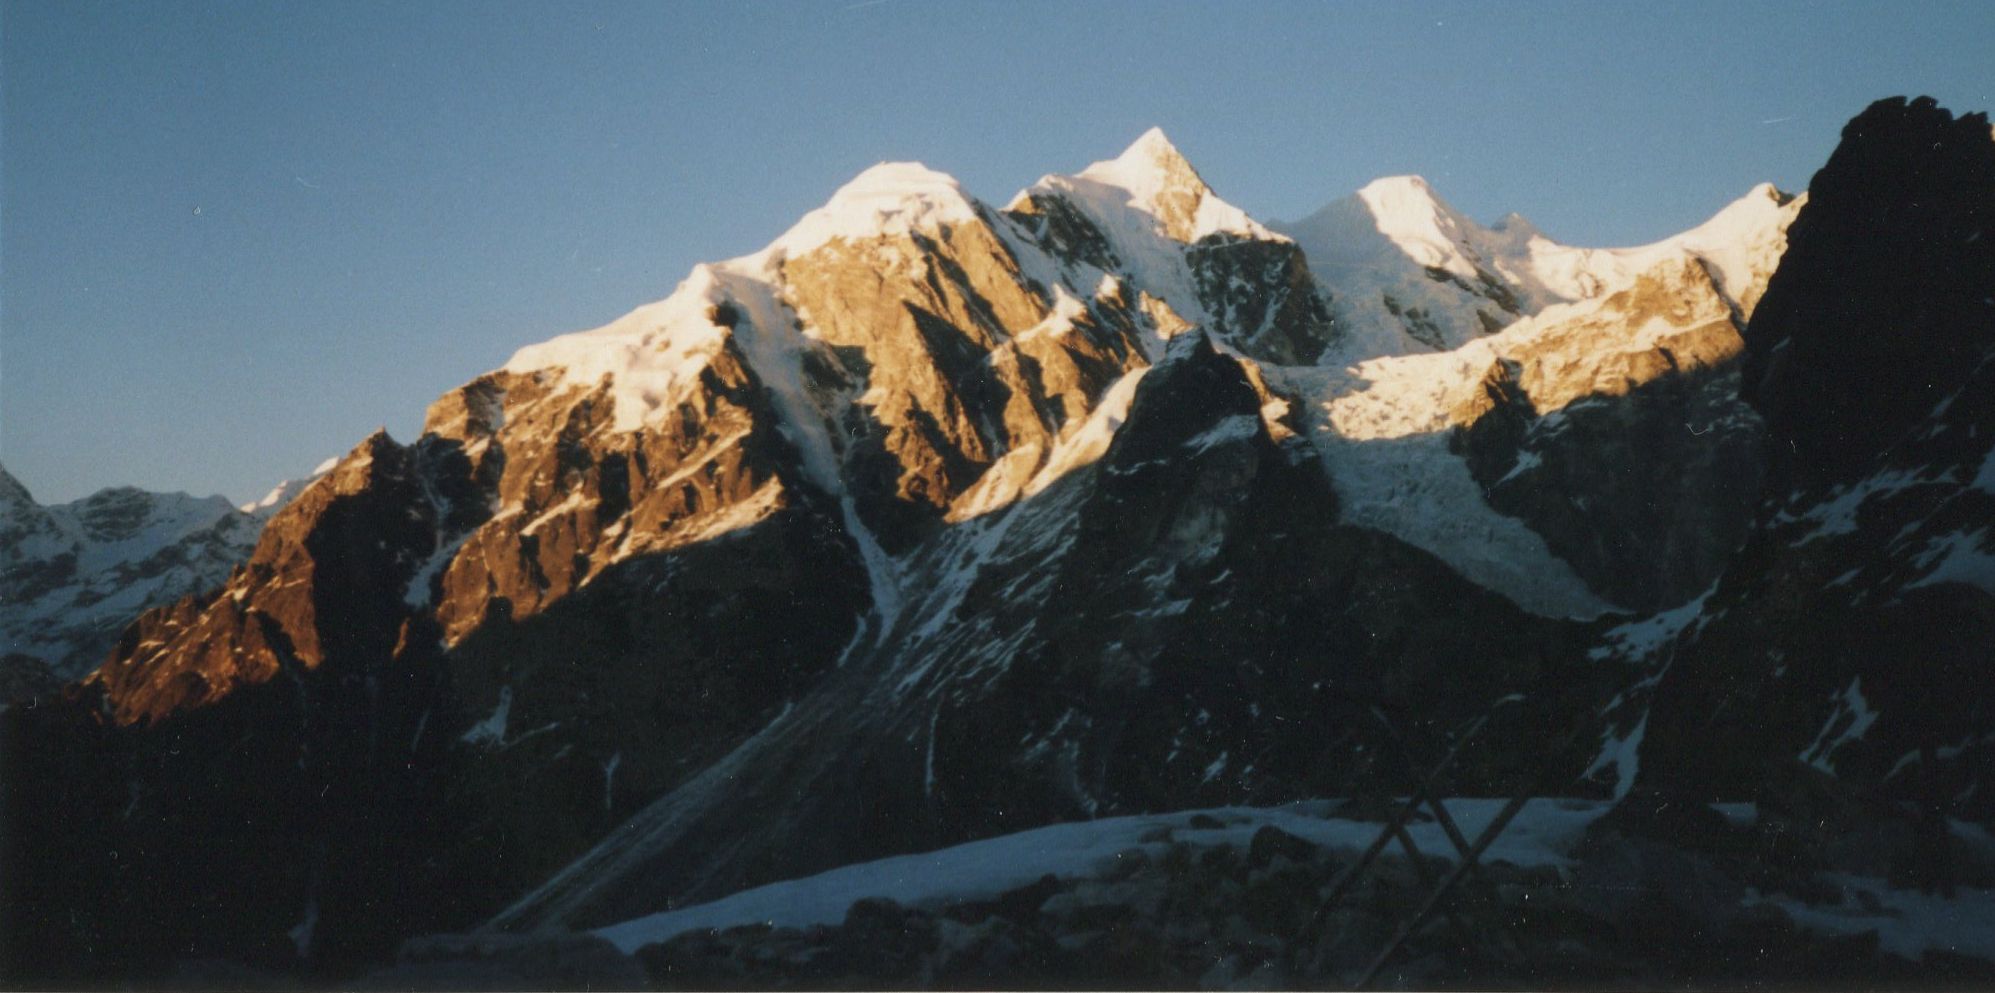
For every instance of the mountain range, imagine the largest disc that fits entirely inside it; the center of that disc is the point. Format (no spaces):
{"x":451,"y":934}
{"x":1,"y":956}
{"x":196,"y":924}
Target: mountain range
{"x":73,"y":575}
{"x":936,"y":521}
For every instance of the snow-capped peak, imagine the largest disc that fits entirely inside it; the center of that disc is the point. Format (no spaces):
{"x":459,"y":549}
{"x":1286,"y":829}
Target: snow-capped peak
{"x":1152,"y":177}
{"x":1391,"y":218}
{"x":1742,"y":219}
{"x":1406,"y":210}
{"x":1409,"y":188}
{"x":1411,"y":272}
{"x":1148,"y":164}
{"x":888,"y":199}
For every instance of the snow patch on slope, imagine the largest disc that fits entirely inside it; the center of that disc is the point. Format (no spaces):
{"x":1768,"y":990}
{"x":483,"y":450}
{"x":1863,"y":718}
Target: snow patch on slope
{"x":1542,"y":834}
{"x":1849,"y":721}
{"x":1623,"y":754}
{"x":776,"y":352}
{"x":1908,"y":923}
{"x":1966,"y":556}
{"x":648,"y":356}
{"x":1381,"y":431}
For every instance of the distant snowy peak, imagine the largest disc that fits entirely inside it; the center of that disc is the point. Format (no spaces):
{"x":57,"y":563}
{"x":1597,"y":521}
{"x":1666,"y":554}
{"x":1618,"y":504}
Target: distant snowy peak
{"x":1743,"y":243}
{"x":29,"y":533}
{"x":1406,"y":272}
{"x":1160,"y":181}
{"x":123,"y":521}
{"x":1516,"y":225}
{"x":72,"y":574}
{"x":285,"y":491}
{"x":1740,"y":246}
{"x":1150,"y":178}
{"x":1137,"y":244}
{"x":113,"y":525}
{"x":652,"y":357}
{"x":1143,"y":224}
{"x":1148,"y":219}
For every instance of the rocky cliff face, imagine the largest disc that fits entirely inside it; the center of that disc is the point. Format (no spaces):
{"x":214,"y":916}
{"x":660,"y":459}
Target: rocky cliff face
{"x":1886,"y":286}
{"x":930,"y":521}
{"x":1840,"y":664}
{"x":1636,"y":461}
{"x":1135,"y":636}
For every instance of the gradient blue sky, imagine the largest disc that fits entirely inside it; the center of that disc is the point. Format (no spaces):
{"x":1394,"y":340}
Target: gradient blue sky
{"x":236,"y":237}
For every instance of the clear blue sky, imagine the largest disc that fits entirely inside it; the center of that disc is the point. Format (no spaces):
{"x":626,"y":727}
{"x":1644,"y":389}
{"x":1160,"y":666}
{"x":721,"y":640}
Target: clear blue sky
{"x":235,"y":237}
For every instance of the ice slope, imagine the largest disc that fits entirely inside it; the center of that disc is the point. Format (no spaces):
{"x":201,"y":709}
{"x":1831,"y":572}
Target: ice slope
{"x":1380,"y":410}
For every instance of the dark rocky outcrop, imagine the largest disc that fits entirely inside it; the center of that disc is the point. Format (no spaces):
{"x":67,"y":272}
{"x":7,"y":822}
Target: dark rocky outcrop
{"x":1850,"y":641}
{"x":1646,"y":493}
{"x":1880,"y":309}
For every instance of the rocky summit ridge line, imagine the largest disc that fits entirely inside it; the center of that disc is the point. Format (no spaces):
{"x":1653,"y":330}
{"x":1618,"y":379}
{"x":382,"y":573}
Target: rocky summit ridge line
{"x":935,"y":520}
